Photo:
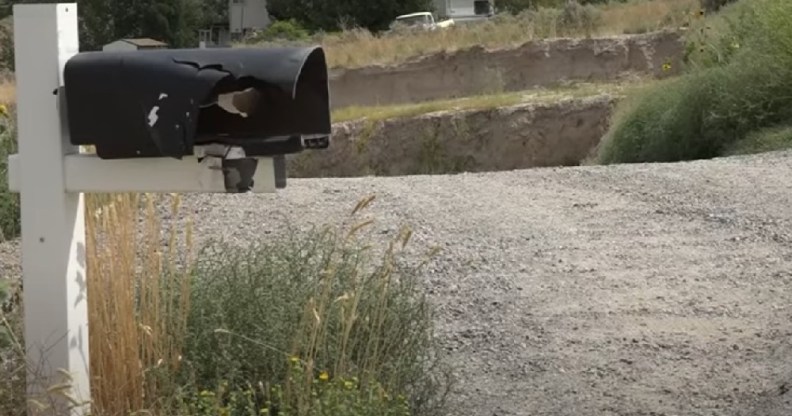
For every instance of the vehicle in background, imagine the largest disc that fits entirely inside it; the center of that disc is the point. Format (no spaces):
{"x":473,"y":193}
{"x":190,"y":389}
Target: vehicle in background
{"x":420,"y":21}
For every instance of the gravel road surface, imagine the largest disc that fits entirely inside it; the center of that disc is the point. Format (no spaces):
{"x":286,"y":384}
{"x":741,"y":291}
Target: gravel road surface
{"x":660,"y":289}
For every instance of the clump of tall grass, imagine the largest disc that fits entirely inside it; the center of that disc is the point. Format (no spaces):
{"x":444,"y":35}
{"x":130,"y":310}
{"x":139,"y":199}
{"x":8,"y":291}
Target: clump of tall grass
{"x":313,"y":323}
{"x":138,"y":300}
{"x":740,"y":81}
{"x":321,"y":303}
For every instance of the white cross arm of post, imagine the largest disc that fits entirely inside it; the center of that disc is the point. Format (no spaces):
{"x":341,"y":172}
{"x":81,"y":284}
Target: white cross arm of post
{"x":55,"y":117}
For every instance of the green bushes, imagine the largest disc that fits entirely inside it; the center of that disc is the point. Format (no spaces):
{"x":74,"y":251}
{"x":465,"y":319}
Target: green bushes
{"x":281,"y":31}
{"x":765,"y":140}
{"x":313,"y":320}
{"x":12,"y":352}
{"x":9,"y":202}
{"x":714,"y":5}
{"x":740,"y":81}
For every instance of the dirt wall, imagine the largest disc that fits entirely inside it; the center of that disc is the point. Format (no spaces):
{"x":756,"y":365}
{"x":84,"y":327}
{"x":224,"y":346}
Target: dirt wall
{"x":536,"y":63}
{"x":562,"y":133}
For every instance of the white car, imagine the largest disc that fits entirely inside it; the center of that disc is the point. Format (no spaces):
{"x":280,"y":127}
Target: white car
{"x":420,"y":20}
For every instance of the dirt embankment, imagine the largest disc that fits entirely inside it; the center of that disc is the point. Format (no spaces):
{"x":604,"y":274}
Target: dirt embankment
{"x":537,"y":63}
{"x":527,"y":135}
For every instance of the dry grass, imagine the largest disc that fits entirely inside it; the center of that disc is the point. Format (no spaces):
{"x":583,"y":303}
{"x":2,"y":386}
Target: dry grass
{"x":356,"y":48}
{"x":7,"y":91}
{"x":137,"y":303}
{"x":482,"y":102}
{"x":639,"y":16}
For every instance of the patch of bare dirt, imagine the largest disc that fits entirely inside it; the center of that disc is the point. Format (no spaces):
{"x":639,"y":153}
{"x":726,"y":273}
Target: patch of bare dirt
{"x":561,"y":133}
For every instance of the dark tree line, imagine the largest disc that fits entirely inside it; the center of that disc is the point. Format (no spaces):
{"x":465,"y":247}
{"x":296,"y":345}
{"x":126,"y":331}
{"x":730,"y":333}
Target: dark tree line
{"x":174,"y":21}
{"x":329,"y":15}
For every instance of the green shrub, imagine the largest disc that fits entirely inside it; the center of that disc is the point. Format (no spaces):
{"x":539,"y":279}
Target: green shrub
{"x":9,"y":202}
{"x":765,"y":140}
{"x":717,"y":39}
{"x":327,"y":397}
{"x":279,"y":31}
{"x":714,"y":5}
{"x":12,"y":352}
{"x":576,"y":18}
{"x":573,"y":19}
{"x":318,"y":299}
{"x":717,"y":104}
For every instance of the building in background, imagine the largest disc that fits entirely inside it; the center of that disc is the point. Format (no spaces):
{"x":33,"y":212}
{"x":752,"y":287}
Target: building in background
{"x":463,"y":10}
{"x":216,"y":36}
{"x":246,"y":15}
{"x":243,"y":17}
{"x":134,"y":45}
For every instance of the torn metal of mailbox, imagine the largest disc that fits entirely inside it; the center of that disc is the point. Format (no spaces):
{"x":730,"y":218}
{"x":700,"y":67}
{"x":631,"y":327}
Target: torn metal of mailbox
{"x":163,"y":103}
{"x":183,"y":102}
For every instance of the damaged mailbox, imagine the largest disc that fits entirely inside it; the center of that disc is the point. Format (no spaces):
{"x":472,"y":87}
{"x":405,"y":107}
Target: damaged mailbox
{"x":234,"y":104}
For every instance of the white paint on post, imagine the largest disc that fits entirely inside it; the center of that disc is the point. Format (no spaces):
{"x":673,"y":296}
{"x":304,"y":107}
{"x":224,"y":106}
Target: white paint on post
{"x":53,"y":228}
{"x":50,"y":174}
{"x":90,"y":174}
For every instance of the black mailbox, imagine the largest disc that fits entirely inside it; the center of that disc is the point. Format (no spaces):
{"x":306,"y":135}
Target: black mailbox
{"x":163,"y":103}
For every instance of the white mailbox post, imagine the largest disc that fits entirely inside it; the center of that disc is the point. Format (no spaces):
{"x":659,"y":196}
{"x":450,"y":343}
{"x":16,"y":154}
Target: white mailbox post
{"x":51,"y":176}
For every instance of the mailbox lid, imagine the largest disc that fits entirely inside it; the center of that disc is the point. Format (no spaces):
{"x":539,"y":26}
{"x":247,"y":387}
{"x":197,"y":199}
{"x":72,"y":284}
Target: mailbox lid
{"x":163,"y":102}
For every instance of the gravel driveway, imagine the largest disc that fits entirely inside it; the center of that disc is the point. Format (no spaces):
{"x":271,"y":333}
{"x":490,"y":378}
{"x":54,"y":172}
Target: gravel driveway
{"x":659,"y":289}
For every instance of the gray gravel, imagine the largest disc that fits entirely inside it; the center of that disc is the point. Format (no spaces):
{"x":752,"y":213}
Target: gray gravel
{"x":659,"y":289}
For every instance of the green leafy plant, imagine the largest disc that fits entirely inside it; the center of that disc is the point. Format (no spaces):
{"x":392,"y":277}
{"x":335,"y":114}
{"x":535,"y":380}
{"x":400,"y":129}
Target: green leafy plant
{"x":279,"y":31}
{"x":9,"y":202}
{"x":323,"y":396}
{"x":319,"y":296}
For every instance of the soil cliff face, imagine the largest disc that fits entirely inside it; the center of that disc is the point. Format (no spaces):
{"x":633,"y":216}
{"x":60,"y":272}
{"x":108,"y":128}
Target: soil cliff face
{"x":537,"y":63}
{"x":526,"y":135}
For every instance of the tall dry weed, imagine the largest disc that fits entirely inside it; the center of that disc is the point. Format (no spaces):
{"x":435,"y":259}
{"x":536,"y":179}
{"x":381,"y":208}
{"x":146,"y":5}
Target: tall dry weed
{"x":138,"y":302}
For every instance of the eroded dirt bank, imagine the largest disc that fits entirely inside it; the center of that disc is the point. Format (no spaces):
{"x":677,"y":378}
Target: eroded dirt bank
{"x":527,"y":135}
{"x":537,"y":63}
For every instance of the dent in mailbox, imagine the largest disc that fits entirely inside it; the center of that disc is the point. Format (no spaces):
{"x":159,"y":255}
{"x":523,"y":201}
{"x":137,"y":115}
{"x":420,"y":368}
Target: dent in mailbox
{"x":162,"y":103}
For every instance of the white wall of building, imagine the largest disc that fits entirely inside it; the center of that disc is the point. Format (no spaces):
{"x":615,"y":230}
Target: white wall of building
{"x":247,"y":14}
{"x":455,"y":8}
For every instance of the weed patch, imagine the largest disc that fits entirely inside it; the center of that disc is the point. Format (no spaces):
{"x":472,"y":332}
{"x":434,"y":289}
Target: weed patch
{"x":309,"y":311}
{"x":9,"y":202}
{"x":720,"y":101}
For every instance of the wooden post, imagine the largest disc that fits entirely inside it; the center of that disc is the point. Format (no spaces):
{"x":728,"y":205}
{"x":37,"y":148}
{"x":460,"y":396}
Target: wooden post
{"x":53,"y":227}
{"x":51,"y":176}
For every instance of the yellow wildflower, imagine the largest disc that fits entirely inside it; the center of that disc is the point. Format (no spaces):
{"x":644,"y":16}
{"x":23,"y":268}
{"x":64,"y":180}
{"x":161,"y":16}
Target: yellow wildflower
{"x":666,"y":66}
{"x":3,"y":110}
{"x":294,"y":359}
{"x":324,"y":376}
{"x":348,"y":384}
